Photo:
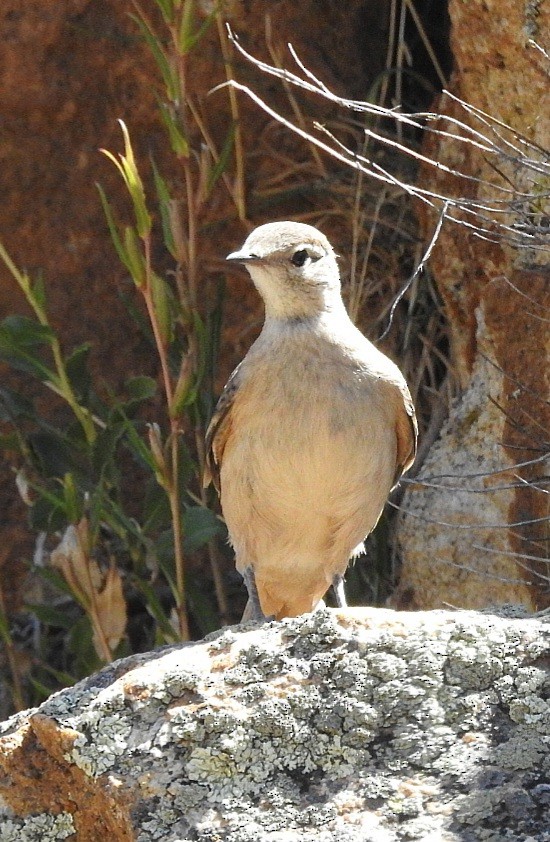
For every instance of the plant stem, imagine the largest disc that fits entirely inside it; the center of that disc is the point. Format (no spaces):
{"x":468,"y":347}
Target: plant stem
{"x":171,"y":482}
{"x":16,"y":689}
{"x":239,"y":194}
{"x":191,"y":237}
{"x":83,"y":416}
{"x":63,"y":387}
{"x":175,"y":509}
{"x":150,"y":305}
{"x":213,"y":556}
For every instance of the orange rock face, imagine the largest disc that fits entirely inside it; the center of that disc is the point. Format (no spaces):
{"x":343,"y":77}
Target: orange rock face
{"x":67,"y":71}
{"x":457,"y":546}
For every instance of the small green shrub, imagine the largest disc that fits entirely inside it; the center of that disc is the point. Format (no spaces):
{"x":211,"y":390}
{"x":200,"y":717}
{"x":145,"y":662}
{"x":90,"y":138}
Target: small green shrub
{"x":116,"y":492}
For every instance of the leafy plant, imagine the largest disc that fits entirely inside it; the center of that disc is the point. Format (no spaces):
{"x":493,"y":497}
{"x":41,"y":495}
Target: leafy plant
{"x":109,"y":545}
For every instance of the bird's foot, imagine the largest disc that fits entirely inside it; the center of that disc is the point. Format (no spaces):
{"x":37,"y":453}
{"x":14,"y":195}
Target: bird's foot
{"x":253,"y":611}
{"x":339,"y":592}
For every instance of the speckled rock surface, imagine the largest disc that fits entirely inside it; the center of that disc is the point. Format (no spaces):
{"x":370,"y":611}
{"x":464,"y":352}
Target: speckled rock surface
{"x":365,"y":725}
{"x":462,"y":503}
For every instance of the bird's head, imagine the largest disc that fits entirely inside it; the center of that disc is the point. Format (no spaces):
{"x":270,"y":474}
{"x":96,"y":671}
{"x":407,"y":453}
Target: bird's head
{"x":294,"y":268}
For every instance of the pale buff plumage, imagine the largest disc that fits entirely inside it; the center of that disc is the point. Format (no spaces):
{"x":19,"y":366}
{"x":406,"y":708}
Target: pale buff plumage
{"x":312,"y":431}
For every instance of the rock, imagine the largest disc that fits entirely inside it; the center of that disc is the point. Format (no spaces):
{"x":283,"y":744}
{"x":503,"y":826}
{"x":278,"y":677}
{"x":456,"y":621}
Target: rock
{"x":468,"y":506}
{"x":354,"y":725}
{"x":491,"y":453}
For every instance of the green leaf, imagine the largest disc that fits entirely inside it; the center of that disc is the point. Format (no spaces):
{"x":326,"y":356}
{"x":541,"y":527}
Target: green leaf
{"x":163,"y":305}
{"x":21,"y":277}
{"x":164,"y":553}
{"x":167,"y":9}
{"x":76,"y":367}
{"x":105,"y":446}
{"x":53,"y":578}
{"x":81,"y":645}
{"x":138,"y":317}
{"x":113,"y":228}
{"x":135,"y":257}
{"x":22,"y":361}
{"x":51,"y":616}
{"x":188,"y":396}
{"x":39,"y":292}
{"x":200,"y":525}
{"x":71,"y":498}
{"x":13,"y":405}
{"x":134,"y":184}
{"x":55,"y":456}
{"x":64,"y":678}
{"x":136,"y":444}
{"x":187,"y":39}
{"x":127,"y":167}
{"x":184,"y":386}
{"x":162,"y":59}
{"x":219,"y":168}
{"x":185,"y":35}
{"x":156,"y":610}
{"x":164,"y":200}
{"x":178,"y":141}
{"x":47,"y":516}
{"x":105,"y":510}
{"x":156,"y":508}
{"x":141,"y":388}
{"x":21,"y":341}
{"x":25,"y":332}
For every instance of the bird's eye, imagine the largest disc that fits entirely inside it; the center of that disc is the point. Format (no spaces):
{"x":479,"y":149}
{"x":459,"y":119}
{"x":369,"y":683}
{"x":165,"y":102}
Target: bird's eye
{"x":299,"y":257}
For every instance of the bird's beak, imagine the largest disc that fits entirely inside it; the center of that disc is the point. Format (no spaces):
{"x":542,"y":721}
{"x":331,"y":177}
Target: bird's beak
{"x":241,"y":256}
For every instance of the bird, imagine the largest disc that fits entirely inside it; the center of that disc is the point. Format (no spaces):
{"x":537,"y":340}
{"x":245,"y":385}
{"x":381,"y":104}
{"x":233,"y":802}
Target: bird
{"x":313,"y":429}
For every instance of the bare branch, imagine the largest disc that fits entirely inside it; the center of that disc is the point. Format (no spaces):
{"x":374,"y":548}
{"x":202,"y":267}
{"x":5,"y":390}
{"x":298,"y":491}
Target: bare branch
{"x":510,"y":211}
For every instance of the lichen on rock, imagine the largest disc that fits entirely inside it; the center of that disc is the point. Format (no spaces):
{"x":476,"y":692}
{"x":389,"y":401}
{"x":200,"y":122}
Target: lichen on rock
{"x":360,"y":725}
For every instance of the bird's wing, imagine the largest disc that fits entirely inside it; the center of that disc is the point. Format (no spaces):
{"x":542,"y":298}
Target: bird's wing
{"x":218,"y":431}
{"x":406,"y":428}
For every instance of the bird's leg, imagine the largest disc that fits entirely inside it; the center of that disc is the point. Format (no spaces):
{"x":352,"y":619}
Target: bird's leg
{"x":339,"y":592}
{"x":253,"y":610}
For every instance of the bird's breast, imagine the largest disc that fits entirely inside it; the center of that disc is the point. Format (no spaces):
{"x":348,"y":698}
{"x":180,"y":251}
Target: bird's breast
{"x":296,"y":387}
{"x":311,"y":422}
